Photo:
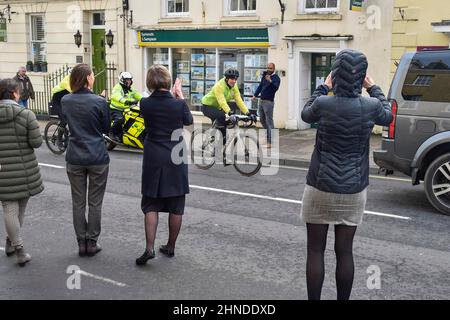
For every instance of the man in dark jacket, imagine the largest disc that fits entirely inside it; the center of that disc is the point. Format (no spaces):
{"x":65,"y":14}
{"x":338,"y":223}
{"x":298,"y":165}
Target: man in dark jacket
{"x":270,"y":82}
{"x":26,"y":88}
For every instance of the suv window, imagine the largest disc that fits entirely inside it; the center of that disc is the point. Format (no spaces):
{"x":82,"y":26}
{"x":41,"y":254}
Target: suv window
{"x":428,"y":77}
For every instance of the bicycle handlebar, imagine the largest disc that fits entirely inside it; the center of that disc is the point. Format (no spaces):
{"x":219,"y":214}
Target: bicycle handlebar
{"x":248,"y":122}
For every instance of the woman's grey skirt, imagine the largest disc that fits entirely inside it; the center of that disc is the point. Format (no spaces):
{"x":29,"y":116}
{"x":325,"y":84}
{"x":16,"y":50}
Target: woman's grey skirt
{"x":320,"y":207}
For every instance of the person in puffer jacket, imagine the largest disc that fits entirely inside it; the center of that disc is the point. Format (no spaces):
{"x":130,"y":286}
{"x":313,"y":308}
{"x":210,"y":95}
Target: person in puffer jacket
{"x":338,"y":176}
{"x":19,"y":171}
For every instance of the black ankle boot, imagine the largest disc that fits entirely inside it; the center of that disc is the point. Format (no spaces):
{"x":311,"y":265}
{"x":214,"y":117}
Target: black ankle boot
{"x":147,"y":255}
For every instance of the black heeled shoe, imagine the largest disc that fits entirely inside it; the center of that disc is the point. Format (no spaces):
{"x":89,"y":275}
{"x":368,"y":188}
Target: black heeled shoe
{"x":166,"y":251}
{"x":147,"y":255}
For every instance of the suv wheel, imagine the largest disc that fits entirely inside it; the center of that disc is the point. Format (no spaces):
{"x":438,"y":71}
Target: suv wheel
{"x":437,"y":183}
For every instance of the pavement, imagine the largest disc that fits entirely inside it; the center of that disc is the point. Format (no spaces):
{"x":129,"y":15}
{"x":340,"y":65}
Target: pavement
{"x":297,"y":146}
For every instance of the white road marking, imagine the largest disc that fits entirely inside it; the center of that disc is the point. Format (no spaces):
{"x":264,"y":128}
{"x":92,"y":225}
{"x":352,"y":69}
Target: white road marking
{"x":246,"y":194}
{"x":51,"y":166}
{"x":283,"y":167}
{"x":286,"y":200}
{"x":276,"y":198}
{"x":87,"y":274}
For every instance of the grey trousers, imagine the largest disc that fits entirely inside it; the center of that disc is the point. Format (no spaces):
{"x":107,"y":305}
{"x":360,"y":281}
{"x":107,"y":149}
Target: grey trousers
{"x":265,"y":112}
{"x":14,"y":212}
{"x":78,"y":177}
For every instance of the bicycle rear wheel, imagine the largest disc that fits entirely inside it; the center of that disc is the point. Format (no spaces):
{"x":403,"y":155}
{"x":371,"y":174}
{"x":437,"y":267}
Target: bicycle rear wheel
{"x":247,"y":155}
{"x":57,"y":143}
{"x":203,"y":148}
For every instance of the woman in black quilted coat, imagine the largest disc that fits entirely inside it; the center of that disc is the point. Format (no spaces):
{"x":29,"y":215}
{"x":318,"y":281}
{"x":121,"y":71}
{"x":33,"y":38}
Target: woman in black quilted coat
{"x":338,"y":176}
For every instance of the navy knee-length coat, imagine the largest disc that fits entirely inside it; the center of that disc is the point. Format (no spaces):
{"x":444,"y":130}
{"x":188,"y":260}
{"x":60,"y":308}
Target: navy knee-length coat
{"x":164,"y":167}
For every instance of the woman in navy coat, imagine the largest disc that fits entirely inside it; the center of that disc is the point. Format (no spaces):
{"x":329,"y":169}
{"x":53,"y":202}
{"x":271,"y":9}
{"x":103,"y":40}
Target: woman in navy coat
{"x":164,"y":173}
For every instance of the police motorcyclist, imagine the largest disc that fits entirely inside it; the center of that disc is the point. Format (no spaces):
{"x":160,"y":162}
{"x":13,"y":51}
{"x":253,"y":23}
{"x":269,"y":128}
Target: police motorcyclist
{"x":123,"y":95}
{"x":215,"y":103}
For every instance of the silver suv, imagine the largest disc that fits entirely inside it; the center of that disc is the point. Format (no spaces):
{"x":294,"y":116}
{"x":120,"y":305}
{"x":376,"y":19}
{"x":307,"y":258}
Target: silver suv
{"x":417,"y":143}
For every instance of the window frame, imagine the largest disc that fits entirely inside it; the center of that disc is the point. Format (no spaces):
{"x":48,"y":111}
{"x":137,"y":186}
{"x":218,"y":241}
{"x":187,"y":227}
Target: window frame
{"x":302,"y":8}
{"x":166,"y":12}
{"x":30,"y":21}
{"x":419,"y":81}
{"x":239,"y":12}
{"x":97,"y":26}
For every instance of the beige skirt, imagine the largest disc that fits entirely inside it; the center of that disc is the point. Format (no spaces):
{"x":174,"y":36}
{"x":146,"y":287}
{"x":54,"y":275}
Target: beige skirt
{"x":320,"y":207}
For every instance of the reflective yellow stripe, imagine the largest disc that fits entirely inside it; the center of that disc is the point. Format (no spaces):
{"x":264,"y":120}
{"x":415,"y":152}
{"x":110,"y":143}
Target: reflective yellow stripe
{"x":203,"y":44}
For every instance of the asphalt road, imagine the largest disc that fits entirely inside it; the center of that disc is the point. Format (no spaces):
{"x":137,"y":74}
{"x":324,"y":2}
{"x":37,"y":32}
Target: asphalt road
{"x":241,"y":239}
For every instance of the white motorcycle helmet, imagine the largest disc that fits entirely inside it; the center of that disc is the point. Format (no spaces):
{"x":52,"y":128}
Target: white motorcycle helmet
{"x":125,"y":76}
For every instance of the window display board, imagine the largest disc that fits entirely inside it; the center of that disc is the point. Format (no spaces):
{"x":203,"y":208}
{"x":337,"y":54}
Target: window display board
{"x":254,"y":67}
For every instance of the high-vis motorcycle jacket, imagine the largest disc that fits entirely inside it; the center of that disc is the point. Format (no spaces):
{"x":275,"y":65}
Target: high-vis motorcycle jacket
{"x":119,"y":97}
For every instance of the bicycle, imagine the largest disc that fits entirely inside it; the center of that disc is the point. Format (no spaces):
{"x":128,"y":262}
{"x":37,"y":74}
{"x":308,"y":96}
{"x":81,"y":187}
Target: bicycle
{"x":246,"y":152}
{"x":56,"y":135}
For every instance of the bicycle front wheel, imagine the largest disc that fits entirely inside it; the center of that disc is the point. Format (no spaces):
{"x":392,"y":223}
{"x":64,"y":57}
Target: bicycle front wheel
{"x":247,"y":155}
{"x":56,"y":141}
{"x":203,"y":148}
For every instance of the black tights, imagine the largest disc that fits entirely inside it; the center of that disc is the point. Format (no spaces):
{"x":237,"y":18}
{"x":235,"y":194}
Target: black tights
{"x":315,"y":267}
{"x":151,"y":224}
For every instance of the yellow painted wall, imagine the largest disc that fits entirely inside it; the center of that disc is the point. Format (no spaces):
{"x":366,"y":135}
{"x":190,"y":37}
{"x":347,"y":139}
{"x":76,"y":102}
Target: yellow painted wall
{"x":412,"y":26}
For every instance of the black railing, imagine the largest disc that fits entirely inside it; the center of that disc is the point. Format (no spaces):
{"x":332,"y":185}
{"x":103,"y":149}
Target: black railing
{"x":105,"y":81}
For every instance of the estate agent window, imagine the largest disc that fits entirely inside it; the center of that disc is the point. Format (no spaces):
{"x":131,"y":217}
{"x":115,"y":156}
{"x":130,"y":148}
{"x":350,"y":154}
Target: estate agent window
{"x":199,"y":69}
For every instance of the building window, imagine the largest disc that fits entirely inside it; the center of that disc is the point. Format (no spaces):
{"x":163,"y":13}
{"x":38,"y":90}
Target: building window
{"x":311,"y":6}
{"x":38,"y":48}
{"x":242,"y":6}
{"x":177,"y":7}
{"x":423,"y":81}
{"x":427,"y":77}
{"x":98,"y":19}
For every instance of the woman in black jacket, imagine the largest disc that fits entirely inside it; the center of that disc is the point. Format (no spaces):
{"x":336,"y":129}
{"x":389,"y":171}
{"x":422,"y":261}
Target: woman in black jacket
{"x":164,"y":169}
{"x":338,"y":176}
{"x":87,"y":158}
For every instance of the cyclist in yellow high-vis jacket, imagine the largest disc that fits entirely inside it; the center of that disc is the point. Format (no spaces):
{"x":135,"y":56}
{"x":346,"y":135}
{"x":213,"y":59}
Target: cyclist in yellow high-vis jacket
{"x":123,"y":95}
{"x":215,"y":103}
{"x":58,"y":92}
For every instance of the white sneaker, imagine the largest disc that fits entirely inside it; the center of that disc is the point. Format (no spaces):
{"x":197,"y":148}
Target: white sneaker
{"x":22,"y":256}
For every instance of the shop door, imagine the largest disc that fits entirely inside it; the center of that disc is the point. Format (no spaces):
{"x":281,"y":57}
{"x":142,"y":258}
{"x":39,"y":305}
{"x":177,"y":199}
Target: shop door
{"x":99,"y":59}
{"x":320,"y":69}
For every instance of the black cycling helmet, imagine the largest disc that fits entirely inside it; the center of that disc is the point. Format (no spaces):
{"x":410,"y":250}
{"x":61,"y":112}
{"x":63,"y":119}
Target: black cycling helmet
{"x":231,"y":73}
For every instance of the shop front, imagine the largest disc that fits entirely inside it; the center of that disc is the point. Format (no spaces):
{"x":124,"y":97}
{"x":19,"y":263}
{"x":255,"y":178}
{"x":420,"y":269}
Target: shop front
{"x":200,"y":57}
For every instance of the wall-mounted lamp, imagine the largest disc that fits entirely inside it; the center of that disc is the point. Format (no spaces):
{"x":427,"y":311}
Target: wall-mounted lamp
{"x":109,"y":38}
{"x":77,"y":36}
{"x":7,"y":12}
